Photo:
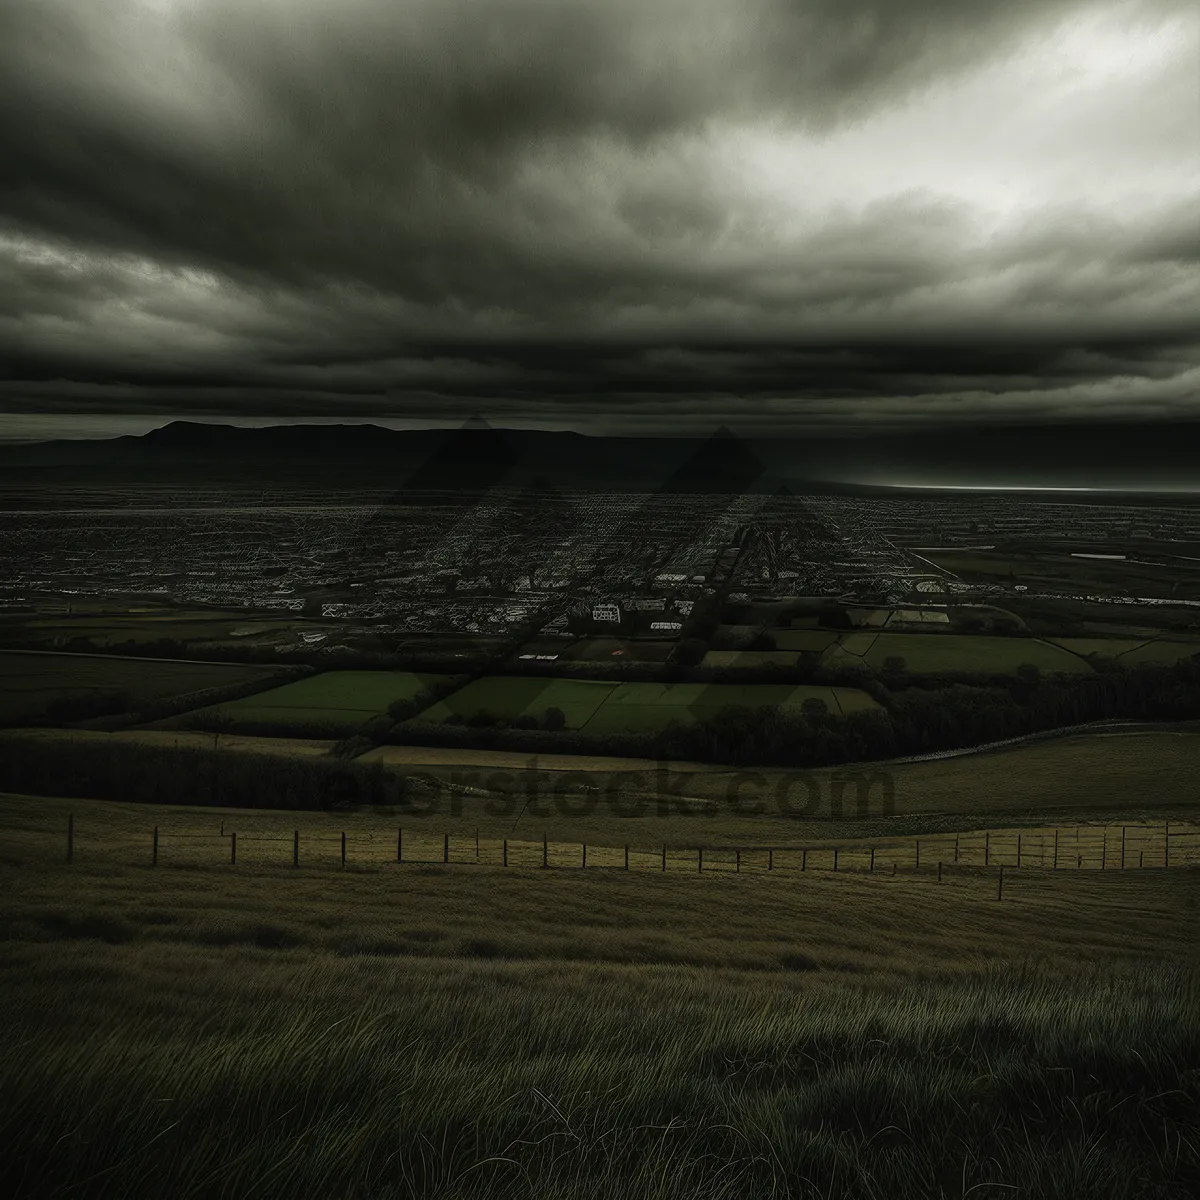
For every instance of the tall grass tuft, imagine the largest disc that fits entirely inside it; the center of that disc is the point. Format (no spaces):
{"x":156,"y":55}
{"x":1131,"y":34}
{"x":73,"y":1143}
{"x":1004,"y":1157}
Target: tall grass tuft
{"x":280,"y":1075}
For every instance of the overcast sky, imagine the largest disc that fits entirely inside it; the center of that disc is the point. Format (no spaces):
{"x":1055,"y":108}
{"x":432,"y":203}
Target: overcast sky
{"x":611,"y":215}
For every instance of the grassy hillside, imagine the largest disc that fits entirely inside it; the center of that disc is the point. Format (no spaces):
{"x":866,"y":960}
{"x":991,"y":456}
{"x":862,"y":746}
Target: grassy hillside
{"x":431,"y":1032}
{"x":1110,"y":777}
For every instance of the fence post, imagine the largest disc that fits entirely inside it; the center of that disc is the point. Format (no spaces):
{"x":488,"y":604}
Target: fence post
{"x":700,"y":858}
{"x":893,"y":868}
{"x":70,"y":837}
{"x":1079,"y":862}
{"x":505,"y":852}
{"x":664,"y":856}
{"x":872,"y":866}
{"x":770,"y":860}
{"x":738,"y":861}
{"x":987,"y":848}
{"x":295,"y":847}
{"x":584,"y":861}
{"x":399,"y":843}
{"x":445,"y":847}
{"x":343,"y":847}
{"x":154,"y":856}
{"x":1104,"y":852}
{"x":233,"y":847}
{"x":627,"y":856}
{"x":918,"y":865}
{"x":804,"y":859}
{"x":1018,"y":849}
{"x":1122,"y":847}
{"x":1000,"y":886}
{"x":939,"y":870}
{"x":1055,"y":850}
{"x":1141,"y":854}
{"x":835,"y":854}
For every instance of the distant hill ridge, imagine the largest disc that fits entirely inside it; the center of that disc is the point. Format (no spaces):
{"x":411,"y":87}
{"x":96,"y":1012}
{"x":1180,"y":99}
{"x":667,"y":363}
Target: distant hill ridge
{"x":1138,"y":456}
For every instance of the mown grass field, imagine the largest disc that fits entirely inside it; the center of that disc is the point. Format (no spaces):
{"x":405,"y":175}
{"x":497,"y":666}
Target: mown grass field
{"x":428,"y":1031}
{"x":963,"y":652}
{"x":334,"y":700}
{"x":29,"y":682}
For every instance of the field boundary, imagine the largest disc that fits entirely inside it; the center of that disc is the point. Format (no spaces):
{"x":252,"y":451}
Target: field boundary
{"x":1053,"y":848}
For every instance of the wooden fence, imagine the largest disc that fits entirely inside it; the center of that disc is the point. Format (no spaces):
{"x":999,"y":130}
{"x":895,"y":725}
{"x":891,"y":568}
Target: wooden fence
{"x":1122,"y":848}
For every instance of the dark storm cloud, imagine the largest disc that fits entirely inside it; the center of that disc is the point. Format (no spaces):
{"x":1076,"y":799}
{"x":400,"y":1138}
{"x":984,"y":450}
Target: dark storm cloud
{"x":535,"y":207}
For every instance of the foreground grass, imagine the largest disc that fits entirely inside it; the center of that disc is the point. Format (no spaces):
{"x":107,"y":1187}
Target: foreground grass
{"x":469,"y":1032}
{"x":172,"y":1071}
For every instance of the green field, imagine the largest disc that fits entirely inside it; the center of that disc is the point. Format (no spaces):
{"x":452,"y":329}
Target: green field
{"x":962,"y":652}
{"x":28,"y":682}
{"x":1131,"y":651}
{"x":1112,"y":647}
{"x":857,"y":644}
{"x":334,"y":700}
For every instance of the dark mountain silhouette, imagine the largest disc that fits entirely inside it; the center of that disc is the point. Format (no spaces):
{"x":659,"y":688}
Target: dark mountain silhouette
{"x":1138,"y":457}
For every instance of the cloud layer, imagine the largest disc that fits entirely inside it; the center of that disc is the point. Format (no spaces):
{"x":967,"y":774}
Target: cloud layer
{"x":612,"y":214}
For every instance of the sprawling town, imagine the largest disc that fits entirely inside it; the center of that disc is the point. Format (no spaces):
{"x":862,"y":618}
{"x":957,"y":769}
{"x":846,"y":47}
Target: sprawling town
{"x":638,"y":562}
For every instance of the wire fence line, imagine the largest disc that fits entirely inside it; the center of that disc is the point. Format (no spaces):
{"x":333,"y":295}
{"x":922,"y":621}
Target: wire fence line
{"x":1104,"y":848}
